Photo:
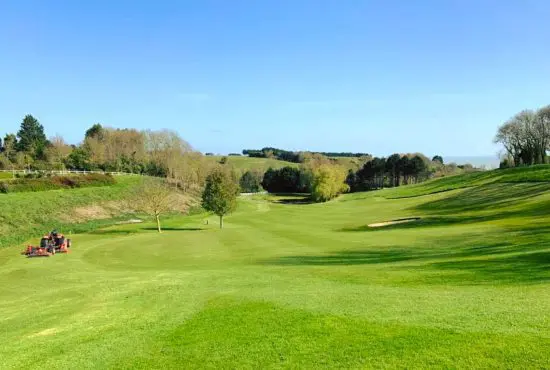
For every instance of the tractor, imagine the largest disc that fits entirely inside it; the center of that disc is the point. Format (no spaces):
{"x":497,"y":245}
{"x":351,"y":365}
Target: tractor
{"x":50,"y":244}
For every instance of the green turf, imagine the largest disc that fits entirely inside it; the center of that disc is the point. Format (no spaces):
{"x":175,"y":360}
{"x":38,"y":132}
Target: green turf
{"x":296,"y":285}
{"x":539,"y":173}
{"x":23,"y":215}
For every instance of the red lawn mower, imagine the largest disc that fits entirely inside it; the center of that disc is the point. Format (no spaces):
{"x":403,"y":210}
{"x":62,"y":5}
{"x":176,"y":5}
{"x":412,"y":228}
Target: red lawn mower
{"x":50,"y":244}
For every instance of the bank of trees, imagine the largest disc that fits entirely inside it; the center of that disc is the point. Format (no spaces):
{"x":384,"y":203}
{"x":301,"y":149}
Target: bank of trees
{"x":296,"y":157}
{"x":392,"y":171}
{"x":160,"y":153}
{"x":318,"y":176}
{"x":251,"y":181}
{"x":525,"y":138}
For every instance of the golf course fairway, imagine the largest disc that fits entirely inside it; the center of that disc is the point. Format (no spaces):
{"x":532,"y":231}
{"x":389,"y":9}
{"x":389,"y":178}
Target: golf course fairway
{"x":297,"y":285}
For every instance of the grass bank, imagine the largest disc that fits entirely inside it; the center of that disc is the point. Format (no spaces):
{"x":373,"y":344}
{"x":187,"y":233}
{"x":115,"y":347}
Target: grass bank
{"x":28,"y":215}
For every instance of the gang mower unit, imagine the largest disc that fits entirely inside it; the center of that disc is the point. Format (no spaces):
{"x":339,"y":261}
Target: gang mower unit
{"x":50,"y":244}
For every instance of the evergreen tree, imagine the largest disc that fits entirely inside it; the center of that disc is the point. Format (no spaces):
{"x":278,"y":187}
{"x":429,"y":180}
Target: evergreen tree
{"x":32,"y":138}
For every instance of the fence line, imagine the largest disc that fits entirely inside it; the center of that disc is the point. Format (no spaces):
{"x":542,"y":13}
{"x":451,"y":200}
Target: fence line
{"x":67,"y":172}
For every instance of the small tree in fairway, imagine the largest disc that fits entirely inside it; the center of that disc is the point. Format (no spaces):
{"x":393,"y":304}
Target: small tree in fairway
{"x":220,"y":193}
{"x":154,"y":198}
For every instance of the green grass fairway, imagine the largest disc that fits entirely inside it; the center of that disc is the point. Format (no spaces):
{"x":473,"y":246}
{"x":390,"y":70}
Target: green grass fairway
{"x":294,"y":285}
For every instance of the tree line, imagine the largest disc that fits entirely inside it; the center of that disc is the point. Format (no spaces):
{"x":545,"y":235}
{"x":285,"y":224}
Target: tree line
{"x":160,"y":153}
{"x":295,"y":157}
{"x":392,"y":171}
{"x":525,"y":138}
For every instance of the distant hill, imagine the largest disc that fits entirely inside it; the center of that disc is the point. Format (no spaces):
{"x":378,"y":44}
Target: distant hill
{"x":488,"y":161}
{"x":244,"y":163}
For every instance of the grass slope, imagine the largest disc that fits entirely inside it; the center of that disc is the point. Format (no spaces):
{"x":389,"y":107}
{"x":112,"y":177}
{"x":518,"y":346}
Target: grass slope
{"x":297,"y":286}
{"x":244,"y":163}
{"x":24,"y":215}
{"x":540,"y":173}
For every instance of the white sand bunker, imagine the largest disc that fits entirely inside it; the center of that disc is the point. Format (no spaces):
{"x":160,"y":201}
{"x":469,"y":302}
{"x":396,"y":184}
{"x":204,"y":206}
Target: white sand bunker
{"x":395,"y":222}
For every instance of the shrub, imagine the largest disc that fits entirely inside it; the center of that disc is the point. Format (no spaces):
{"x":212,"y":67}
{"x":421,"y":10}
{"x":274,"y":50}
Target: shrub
{"x":33,"y":183}
{"x":4,"y":188}
{"x":284,"y":180}
{"x":328,"y":183}
{"x":251,"y":182}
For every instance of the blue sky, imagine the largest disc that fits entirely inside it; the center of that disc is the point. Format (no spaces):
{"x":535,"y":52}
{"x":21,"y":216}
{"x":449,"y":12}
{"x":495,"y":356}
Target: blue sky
{"x":370,"y":76}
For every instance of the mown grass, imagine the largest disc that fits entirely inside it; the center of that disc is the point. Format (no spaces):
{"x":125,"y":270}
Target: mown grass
{"x":539,"y":173}
{"x":294,"y":285}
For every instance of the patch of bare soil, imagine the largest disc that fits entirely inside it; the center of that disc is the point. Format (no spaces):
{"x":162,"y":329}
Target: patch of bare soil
{"x":100,"y":211}
{"x":395,"y":222}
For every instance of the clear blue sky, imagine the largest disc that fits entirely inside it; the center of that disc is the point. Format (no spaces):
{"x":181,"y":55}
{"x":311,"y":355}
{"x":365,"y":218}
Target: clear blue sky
{"x":373,"y":76}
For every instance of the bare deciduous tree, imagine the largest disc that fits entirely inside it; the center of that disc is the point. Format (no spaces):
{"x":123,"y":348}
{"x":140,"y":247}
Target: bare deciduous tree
{"x":155,"y":198}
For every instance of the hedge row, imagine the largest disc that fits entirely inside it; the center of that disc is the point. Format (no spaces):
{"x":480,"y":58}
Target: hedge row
{"x":55,"y":182}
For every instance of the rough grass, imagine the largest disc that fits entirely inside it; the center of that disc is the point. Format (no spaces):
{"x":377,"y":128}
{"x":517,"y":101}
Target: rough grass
{"x":296,"y":285}
{"x":22,"y":185}
{"x":6,"y":175}
{"x":23,"y":215}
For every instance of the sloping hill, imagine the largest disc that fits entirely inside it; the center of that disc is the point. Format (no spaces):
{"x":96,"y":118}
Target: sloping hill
{"x":533,"y":174}
{"x":294,"y":285}
{"x":26,"y":215}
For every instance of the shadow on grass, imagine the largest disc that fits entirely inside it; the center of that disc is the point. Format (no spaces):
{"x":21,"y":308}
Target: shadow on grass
{"x":515,"y":255}
{"x":113,"y":232}
{"x":293,"y":198}
{"x":483,"y":198}
{"x":137,"y":230}
{"x":424,"y":222}
{"x":173,"y":228}
{"x":529,"y":268}
{"x":304,"y":200}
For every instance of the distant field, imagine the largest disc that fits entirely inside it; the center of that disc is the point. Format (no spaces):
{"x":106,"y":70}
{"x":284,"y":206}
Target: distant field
{"x":244,"y":163}
{"x":294,"y":285}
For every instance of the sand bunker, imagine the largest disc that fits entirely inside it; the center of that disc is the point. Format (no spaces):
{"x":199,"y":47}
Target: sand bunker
{"x":395,"y":222}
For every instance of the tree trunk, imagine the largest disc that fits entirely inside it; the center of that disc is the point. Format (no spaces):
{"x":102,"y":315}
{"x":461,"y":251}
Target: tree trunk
{"x":158,"y":223}
{"x":221,"y":222}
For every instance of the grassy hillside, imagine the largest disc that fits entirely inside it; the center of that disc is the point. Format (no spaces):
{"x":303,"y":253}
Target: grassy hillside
{"x":26,"y":215}
{"x":534,"y":174}
{"x":296,"y":285}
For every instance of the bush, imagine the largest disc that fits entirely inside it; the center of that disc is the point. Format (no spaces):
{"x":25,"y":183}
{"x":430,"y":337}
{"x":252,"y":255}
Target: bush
{"x":251,"y":182}
{"x":284,"y":180}
{"x":41,"y":183}
{"x":4,"y":187}
{"x":328,"y":183}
